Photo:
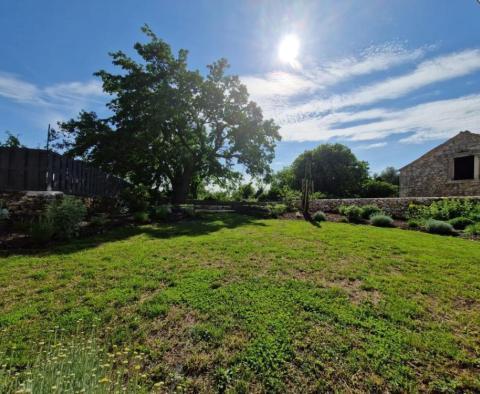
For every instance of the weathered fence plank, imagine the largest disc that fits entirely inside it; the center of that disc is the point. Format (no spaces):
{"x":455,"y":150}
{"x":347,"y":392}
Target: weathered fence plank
{"x":37,"y":170}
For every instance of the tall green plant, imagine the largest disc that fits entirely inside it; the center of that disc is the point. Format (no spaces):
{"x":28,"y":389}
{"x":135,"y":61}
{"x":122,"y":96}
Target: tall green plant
{"x":65,"y":216}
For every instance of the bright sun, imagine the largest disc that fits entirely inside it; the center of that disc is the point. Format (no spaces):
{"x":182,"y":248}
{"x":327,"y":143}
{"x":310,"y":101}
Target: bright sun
{"x":288,"y":49}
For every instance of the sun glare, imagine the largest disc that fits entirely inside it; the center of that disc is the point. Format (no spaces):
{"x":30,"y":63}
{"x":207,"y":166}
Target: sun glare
{"x":288,"y":50}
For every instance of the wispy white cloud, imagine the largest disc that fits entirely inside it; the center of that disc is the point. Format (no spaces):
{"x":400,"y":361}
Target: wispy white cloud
{"x":12,"y":87}
{"x":371,"y":146}
{"x":53,"y":103}
{"x":429,"y":121}
{"x":295,"y":105}
{"x":440,"y":69}
{"x":309,"y":80}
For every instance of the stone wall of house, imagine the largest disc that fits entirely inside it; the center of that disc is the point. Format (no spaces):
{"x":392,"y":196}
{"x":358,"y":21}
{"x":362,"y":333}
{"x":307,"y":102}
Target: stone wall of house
{"x":432,"y":174}
{"x":396,"y":207}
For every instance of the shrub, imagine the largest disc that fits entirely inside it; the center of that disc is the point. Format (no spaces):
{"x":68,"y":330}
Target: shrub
{"x":445,"y":210}
{"x":318,"y":196}
{"x":277,"y":210}
{"x":460,"y":223}
{"x":319,"y":216}
{"x":414,"y":223}
{"x":352,"y":212}
{"x":290,"y":198}
{"x":141,"y":217}
{"x":66,"y":215}
{"x":99,"y":220}
{"x":370,"y":210}
{"x":473,"y":229}
{"x":42,"y":230}
{"x":4,"y":214}
{"x":376,"y":188}
{"x":188,"y":210}
{"x":475,"y":217}
{"x":438,"y":227}
{"x":381,"y":220}
{"x":136,"y":198}
{"x":161,"y":212}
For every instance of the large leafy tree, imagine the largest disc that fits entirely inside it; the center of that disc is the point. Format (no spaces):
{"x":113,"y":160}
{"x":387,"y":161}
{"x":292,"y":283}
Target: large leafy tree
{"x":335,"y":170}
{"x":172,"y":128}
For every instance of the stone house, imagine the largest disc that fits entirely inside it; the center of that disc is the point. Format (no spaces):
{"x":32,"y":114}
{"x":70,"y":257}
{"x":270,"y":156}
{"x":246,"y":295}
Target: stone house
{"x":450,"y":169}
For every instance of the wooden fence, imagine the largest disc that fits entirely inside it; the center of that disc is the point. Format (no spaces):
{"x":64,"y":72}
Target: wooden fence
{"x":37,"y":169}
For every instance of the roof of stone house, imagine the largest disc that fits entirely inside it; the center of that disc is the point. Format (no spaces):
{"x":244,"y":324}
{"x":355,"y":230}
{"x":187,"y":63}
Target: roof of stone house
{"x":437,"y":148}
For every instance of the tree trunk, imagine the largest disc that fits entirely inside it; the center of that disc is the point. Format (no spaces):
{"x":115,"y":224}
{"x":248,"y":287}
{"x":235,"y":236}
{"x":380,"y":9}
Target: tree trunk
{"x":181,"y":187}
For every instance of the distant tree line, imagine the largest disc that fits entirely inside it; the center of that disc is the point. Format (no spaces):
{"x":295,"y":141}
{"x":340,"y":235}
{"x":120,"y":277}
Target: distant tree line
{"x":336,"y":173}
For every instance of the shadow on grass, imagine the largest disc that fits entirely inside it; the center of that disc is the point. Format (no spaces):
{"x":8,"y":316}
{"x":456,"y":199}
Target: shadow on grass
{"x":205,"y":224}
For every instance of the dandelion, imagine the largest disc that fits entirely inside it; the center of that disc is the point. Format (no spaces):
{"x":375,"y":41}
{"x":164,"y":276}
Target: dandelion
{"x":104,"y":380}
{"x":136,"y":367}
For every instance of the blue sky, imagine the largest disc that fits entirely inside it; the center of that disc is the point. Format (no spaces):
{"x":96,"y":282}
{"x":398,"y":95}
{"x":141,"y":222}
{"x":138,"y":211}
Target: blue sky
{"x":389,"y":78}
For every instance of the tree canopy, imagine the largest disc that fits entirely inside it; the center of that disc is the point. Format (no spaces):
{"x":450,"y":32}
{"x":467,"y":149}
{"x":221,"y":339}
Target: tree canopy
{"x":170,"y":126}
{"x":389,"y":175}
{"x":12,"y":141}
{"x":336,"y":172}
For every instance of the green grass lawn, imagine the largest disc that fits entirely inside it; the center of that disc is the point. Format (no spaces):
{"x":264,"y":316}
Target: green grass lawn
{"x":235,"y":304}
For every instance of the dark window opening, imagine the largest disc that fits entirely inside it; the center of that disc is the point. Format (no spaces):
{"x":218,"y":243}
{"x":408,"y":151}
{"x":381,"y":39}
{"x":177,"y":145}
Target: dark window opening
{"x":464,"y":167}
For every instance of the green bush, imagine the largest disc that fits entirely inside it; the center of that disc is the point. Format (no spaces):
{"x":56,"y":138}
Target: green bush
{"x":99,"y":220}
{"x":446,"y":209}
{"x":41,"y":230}
{"x":376,"y":188}
{"x":380,"y":220}
{"x":414,"y":223}
{"x":161,"y":212}
{"x":352,"y":212}
{"x":370,"y":210}
{"x":141,"y":217}
{"x":438,"y":227}
{"x":319,"y":216}
{"x":290,"y":198}
{"x":188,"y":210}
{"x":318,"y":196}
{"x":473,"y":229}
{"x":277,"y":210}
{"x":460,"y":223}
{"x":136,"y":198}
{"x":66,"y":215}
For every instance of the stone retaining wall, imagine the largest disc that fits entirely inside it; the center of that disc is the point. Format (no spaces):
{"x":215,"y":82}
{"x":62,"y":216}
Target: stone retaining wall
{"x":395,"y":207}
{"x":28,"y":204}
{"x":31,"y":204}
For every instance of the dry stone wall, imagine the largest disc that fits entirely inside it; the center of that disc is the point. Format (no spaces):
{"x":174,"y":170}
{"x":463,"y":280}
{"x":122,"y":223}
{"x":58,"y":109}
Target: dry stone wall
{"x":27,"y":205}
{"x":396,"y":207}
